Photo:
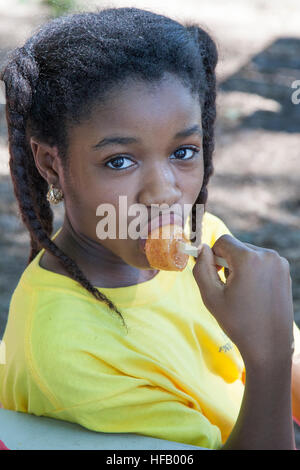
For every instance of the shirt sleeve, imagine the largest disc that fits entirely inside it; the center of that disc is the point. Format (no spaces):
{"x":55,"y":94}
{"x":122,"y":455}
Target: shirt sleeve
{"x":91,"y":376}
{"x":212,"y":229}
{"x":296,"y":355}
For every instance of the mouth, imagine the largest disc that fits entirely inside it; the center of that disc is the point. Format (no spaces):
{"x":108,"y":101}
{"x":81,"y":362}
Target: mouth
{"x":162,"y":219}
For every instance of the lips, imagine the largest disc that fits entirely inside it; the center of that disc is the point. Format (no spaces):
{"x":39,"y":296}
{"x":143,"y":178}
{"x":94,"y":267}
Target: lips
{"x":159,"y":221}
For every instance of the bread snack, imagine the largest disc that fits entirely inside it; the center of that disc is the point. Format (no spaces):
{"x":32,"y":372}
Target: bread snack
{"x":162,"y":249}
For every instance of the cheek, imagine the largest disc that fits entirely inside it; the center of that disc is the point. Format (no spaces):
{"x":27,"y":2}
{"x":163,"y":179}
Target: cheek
{"x":112,"y":205}
{"x":194,"y":181}
{"x":89,"y":186}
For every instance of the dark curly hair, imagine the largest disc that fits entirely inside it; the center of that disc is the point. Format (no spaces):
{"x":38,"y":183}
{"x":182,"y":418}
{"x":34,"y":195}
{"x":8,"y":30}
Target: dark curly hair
{"x":71,"y":63}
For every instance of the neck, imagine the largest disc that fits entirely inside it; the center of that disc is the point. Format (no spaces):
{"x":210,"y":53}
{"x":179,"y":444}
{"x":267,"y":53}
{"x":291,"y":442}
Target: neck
{"x":101,"y":266}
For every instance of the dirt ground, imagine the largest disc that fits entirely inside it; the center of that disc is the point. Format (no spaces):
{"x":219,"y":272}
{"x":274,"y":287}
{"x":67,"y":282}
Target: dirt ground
{"x":255,"y":187}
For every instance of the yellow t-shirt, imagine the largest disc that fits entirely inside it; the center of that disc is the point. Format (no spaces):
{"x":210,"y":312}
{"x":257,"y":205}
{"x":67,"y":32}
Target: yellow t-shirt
{"x":173,"y":374}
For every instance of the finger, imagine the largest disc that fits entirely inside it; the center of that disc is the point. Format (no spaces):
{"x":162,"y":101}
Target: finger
{"x":257,"y":248}
{"x":231,"y":249}
{"x":205,"y":272}
{"x":261,"y":249}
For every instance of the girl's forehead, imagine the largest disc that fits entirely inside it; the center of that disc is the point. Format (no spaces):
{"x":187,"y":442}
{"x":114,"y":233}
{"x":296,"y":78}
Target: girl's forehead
{"x":149,"y":115}
{"x":168,"y":100}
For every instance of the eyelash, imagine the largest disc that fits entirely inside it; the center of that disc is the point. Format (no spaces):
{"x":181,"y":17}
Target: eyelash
{"x":194,"y":149}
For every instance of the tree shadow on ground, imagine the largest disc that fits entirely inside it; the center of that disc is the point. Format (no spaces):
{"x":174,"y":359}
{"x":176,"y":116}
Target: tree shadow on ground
{"x":270,"y":74}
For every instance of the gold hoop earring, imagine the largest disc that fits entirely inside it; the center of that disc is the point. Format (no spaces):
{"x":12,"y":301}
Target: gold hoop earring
{"x":54,"y":195}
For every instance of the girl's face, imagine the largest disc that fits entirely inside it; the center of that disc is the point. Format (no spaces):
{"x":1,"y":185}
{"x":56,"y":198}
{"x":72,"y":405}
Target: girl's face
{"x":158,"y":160}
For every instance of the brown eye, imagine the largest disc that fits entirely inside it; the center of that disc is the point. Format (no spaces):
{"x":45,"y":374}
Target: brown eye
{"x":182,"y":152}
{"x":117,"y":163}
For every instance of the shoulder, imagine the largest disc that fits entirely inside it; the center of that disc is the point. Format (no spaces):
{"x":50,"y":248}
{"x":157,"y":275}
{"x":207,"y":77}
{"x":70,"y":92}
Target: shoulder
{"x":213,"y":227}
{"x":42,"y":295}
{"x":64,"y":316}
{"x":63,"y":334}
{"x":52,"y":317}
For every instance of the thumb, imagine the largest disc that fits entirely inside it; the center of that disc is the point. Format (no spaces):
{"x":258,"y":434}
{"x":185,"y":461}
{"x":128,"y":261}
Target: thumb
{"x":206,"y":276}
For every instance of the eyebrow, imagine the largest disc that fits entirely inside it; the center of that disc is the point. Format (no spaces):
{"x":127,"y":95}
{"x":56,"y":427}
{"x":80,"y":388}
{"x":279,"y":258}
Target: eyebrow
{"x":195,"y":129}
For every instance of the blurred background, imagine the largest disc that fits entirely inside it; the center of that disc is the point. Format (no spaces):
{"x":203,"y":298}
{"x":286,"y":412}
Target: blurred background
{"x":255,"y":188}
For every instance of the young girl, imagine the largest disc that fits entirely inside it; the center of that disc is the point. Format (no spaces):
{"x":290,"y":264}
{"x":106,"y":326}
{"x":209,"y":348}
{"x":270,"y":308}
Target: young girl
{"x":122,"y":102}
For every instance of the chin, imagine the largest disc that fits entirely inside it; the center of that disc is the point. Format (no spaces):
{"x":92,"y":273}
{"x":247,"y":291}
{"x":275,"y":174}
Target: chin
{"x":136,"y":257}
{"x":139,"y":262}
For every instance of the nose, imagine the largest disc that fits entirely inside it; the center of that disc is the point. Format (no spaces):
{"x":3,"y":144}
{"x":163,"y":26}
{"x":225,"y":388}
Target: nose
{"x":159,"y":186}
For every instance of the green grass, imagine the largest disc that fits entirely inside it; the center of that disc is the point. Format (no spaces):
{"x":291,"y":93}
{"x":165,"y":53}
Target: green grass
{"x":61,"y":7}
{"x":57,"y":7}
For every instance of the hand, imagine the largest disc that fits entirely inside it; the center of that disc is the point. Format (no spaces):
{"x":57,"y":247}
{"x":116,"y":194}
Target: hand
{"x":254,"y":307}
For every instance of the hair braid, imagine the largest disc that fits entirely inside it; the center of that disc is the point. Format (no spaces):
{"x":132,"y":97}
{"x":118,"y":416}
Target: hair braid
{"x":209,"y":55}
{"x":29,"y":186}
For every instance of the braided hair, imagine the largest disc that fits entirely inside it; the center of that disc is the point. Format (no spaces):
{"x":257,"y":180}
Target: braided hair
{"x":69,"y":65}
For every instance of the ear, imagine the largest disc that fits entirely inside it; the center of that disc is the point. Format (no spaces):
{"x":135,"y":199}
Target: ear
{"x":47,"y":161}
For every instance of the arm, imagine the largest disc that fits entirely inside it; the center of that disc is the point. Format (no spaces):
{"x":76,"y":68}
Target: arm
{"x":277,"y":393}
{"x":265,"y":419}
{"x":255,"y":309}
